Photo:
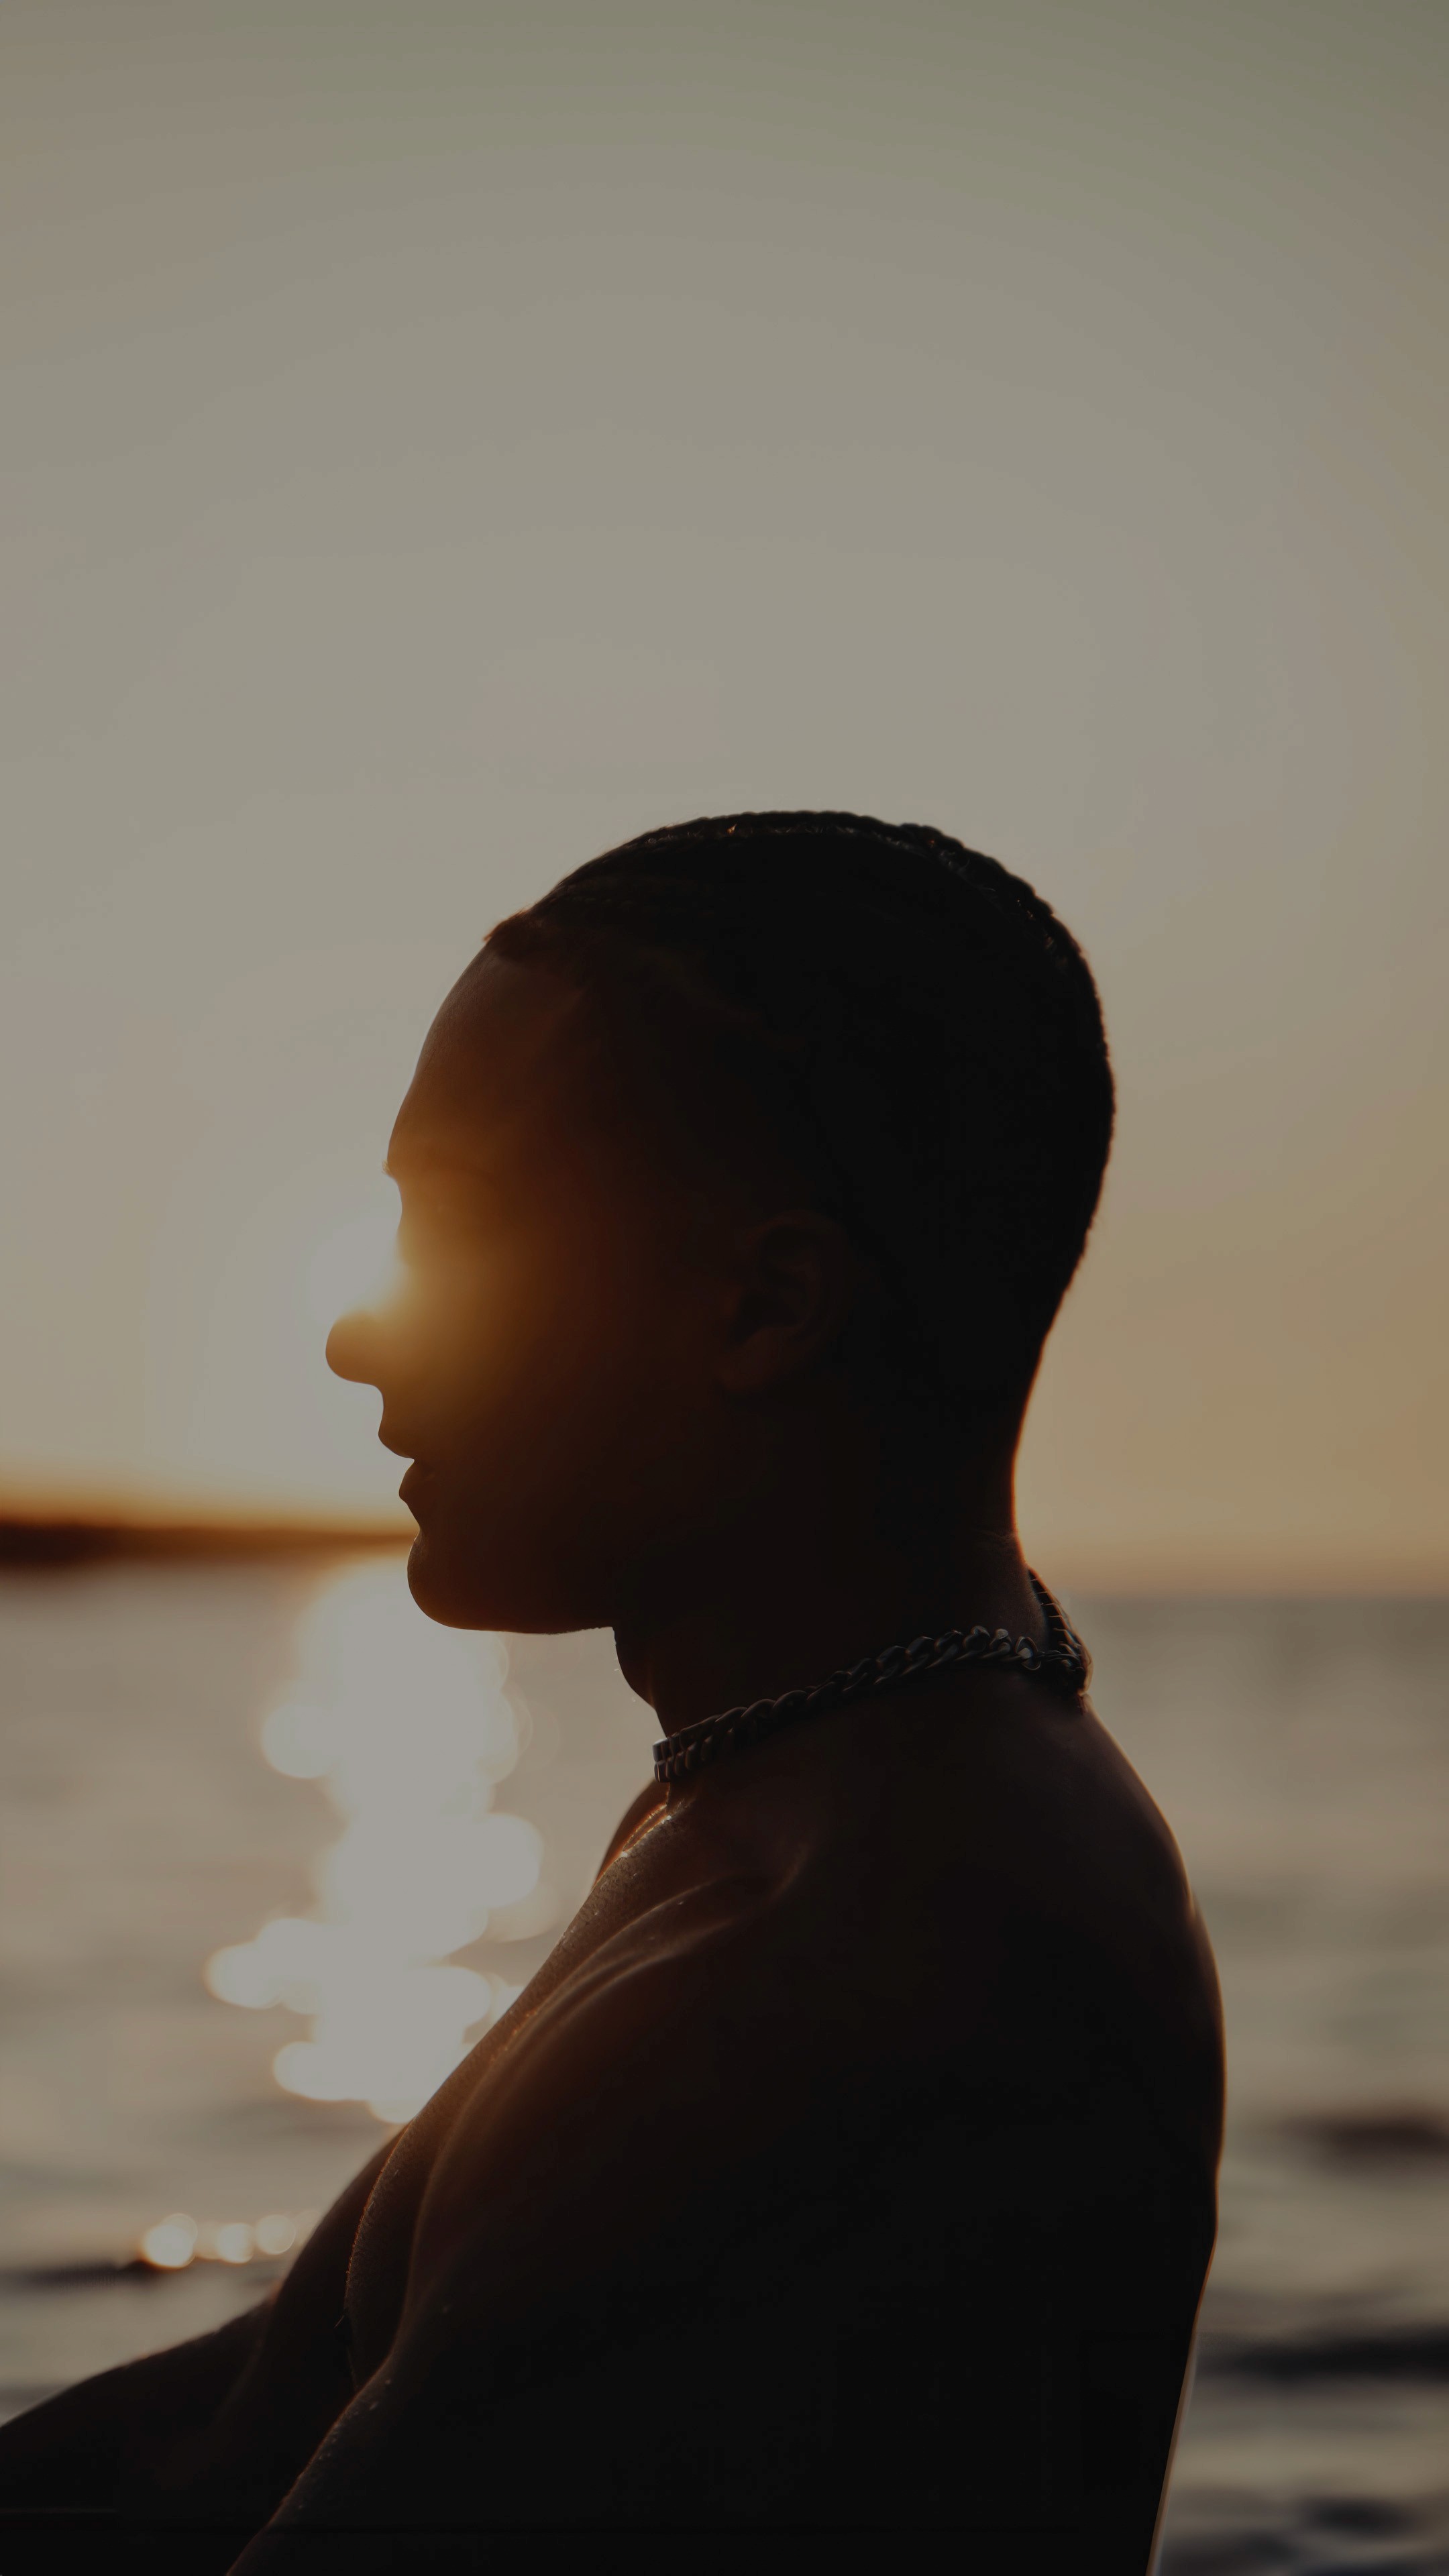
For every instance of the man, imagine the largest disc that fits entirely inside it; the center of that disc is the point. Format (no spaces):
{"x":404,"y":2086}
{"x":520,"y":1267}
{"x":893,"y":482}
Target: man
{"x":850,"y":2164}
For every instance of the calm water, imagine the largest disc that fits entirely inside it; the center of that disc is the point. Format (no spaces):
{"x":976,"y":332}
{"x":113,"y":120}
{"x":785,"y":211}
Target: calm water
{"x":1300,"y":1750}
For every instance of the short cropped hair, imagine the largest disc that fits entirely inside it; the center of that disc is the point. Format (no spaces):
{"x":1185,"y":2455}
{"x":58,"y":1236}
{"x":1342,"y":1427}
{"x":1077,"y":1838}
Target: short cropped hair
{"x":920,"y":1032}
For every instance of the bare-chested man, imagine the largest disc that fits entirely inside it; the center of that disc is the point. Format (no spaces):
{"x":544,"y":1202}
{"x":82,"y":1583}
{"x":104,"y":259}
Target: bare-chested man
{"x":849,"y":2165}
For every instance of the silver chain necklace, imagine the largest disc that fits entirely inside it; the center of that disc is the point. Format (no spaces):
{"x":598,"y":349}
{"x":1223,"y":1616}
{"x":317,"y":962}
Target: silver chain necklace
{"x":1064,"y":1661}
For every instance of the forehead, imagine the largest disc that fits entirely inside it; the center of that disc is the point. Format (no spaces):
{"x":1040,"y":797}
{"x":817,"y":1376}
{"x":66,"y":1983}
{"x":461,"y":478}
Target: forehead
{"x":505,"y":1053}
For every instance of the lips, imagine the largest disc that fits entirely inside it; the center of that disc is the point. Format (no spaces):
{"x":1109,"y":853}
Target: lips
{"x":415,"y":1483}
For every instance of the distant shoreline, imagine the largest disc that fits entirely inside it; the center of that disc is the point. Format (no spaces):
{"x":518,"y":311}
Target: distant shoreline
{"x":32,"y":1542}
{"x":35,"y":1543}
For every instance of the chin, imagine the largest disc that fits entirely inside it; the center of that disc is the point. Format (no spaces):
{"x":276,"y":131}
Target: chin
{"x":474,"y":1579}
{"x":445,"y":1584}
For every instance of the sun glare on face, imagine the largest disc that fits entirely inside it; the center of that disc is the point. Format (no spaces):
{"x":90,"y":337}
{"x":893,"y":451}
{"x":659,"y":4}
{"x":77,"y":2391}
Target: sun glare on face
{"x":357,"y":1264}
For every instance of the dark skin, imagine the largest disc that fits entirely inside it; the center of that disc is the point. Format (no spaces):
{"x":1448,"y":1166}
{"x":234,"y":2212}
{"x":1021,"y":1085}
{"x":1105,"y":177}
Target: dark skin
{"x":640,"y":1392}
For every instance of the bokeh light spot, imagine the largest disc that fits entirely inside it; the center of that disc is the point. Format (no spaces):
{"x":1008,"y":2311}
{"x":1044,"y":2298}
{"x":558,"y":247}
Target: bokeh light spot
{"x":171,"y":2244}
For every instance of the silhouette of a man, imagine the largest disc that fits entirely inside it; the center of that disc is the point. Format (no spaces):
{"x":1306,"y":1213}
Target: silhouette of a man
{"x":850,"y":2164}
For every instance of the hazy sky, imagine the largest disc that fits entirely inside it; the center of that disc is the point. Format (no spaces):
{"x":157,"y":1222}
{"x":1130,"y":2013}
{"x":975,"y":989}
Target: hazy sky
{"x":441,"y":440}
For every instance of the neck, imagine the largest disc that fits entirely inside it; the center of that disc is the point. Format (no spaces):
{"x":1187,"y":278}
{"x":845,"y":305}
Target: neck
{"x":814,"y":1575}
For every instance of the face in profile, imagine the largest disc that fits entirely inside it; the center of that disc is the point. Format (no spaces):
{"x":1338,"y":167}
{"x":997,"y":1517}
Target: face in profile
{"x":545,"y":1364}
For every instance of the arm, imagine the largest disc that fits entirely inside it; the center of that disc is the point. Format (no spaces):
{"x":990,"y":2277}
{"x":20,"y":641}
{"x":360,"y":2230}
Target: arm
{"x":78,"y":2448}
{"x":544,"y":2247}
{"x":193,"y":2424}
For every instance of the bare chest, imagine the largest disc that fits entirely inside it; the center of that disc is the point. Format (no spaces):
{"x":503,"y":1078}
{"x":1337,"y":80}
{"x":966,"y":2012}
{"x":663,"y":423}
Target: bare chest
{"x":634,"y":1889}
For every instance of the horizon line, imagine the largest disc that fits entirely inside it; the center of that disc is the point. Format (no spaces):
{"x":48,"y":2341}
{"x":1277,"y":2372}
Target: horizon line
{"x":76,"y":1536}
{"x":56,"y":1535}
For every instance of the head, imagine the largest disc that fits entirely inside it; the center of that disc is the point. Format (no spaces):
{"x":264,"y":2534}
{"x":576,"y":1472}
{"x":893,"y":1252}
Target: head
{"x":752,"y":1162}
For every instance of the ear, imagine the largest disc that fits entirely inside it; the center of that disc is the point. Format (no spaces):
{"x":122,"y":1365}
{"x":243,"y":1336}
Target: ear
{"x":795,"y":1282}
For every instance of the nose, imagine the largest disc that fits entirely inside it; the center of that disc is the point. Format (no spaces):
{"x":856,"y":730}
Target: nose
{"x":352,"y":1347}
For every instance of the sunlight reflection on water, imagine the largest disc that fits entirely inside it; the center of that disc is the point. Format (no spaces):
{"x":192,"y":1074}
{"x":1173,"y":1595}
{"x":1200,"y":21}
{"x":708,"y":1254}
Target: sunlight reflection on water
{"x":410,"y":1729}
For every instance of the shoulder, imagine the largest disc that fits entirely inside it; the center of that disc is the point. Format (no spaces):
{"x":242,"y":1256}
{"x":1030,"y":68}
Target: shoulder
{"x":1079,"y":1847}
{"x":637,"y":1815}
{"x":990,"y":1836}
{"x":641,"y":2030}
{"x":1006,"y":1796}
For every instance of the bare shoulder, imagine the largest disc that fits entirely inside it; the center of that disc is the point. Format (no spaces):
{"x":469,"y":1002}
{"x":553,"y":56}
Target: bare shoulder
{"x":636,"y":1818}
{"x":670,"y":1926}
{"x":1082,"y":1833}
{"x":1060,"y":1827}
{"x":823,"y":1917}
{"x":988,"y":1826}
{"x":1015,"y":1796}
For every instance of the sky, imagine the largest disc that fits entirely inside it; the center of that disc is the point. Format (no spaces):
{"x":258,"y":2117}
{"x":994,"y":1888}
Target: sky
{"x":442,"y":440}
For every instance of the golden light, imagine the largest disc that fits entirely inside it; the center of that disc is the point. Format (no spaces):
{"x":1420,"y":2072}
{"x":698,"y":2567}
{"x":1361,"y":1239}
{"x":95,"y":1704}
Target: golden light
{"x":171,"y":2243}
{"x":411,"y":1729}
{"x":299,"y":1740}
{"x":178,"y":2240}
{"x":357,"y":1264}
{"x":230,"y":2241}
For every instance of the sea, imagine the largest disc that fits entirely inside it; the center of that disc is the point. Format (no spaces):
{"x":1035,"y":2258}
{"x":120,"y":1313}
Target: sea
{"x":273,"y":1852}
